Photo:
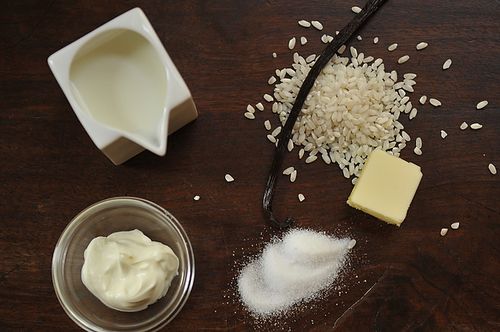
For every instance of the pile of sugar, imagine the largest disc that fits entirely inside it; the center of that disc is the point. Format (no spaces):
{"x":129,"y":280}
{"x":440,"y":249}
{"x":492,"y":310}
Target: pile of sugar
{"x":294,"y":269}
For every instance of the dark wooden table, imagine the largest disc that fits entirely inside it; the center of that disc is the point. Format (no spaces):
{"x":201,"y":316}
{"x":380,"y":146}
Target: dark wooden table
{"x":417,"y":280}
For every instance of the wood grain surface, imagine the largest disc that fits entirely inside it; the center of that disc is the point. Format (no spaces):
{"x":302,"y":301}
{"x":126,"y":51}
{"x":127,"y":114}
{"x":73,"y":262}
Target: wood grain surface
{"x":398,"y":280}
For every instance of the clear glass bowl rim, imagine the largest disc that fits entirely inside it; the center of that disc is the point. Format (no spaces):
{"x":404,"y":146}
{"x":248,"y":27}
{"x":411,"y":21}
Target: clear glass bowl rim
{"x":73,"y":225}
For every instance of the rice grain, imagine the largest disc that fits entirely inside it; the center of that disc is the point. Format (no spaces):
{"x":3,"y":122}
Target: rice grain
{"x":303,"y":40}
{"x":447,"y":64}
{"x":249,"y":116}
{"x":392,"y":47}
{"x":421,"y":46}
{"x":434,"y":102}
{"x":291,"y":43}
{"x":356,"y":9}
{"x":482,"y":104}
{"x":375,"y":40}
{"x":228,"y":178}
{"x":403,"y":59}
{"x":423,"y":99}
{"x":443,"y":134}
{"x":464,"y":125}
{"x":267,"y":124}
{"x":301,"y":197}
{"x":492,"y":169}
{"x":304,"y":23}
{"x":476,"y":126}
{"x":317,"y":25}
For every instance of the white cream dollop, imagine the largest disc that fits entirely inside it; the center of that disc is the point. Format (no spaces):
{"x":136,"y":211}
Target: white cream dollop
{"x":127,"y":271}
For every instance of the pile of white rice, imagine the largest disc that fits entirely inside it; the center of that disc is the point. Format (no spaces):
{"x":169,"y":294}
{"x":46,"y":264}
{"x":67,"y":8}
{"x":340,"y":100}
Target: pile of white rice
{"x":352,"y":109}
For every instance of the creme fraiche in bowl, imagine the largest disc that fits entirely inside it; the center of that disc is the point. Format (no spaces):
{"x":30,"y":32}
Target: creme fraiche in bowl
{"x":139,"y":266}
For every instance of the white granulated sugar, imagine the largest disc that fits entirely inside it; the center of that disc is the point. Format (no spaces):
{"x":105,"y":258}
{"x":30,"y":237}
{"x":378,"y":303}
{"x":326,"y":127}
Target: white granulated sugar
{"x":317,"y":25}
{"x":304,"y":23}
{"x":228,"y":178}
{"x":301,"y":197}
{"x":464,"y":126}
{"x":356,"y":9}
{"x":443,"y":231}
{"x":455,"y":225}
{"x":482,"y":104}
{"x":298,"y":268}
{"x":303,"y":40}
{"x":492,"y":169}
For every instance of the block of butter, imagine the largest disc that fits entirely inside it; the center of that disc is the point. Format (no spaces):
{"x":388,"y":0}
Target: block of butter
{"x":386,"y":187}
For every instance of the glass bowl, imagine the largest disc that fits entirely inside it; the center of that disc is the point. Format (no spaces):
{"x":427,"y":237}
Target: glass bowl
{"x":101,"y":219}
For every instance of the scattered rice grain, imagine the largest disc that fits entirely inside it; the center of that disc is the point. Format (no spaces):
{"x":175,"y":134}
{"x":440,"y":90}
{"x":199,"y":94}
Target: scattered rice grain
{"x":482,"y":104}
{"x":293,"y":176}
{"x":196,"y":198}
{"x":259,"y":106}
{"x":249,"y":115}
{"x":392,"y":47}
{"x":267,"y":124}
{"x":268,"y":98}
{"x":356,"y":9}
{"x":228,"y":178}
{"x":375,"y":40}
{"x":317,"y":25}
{"x":303,"y":40}
{"x":492,"y":168}
{"x":304,"y":23}
{"x":288,"y":170}
{"x":476,"y":126}
{"x":434,"y":102}
{"x":443,"y":134}
{"x":271,"y":138}
{"x":443,"y":231}
{"x":403,"y":59}
{"x":291,"y":43}
{"x":421,"y":46}
{"x":464,"y":125}
{"x":311,"y":159}
{"x":455,"y":225}
{"x":301,"y":197}
{"x":418,"y":142}
{"x":271,"y":80}
{"x":423,"y":99}
{"x":417,"y":151}
{"x":447,"y":64}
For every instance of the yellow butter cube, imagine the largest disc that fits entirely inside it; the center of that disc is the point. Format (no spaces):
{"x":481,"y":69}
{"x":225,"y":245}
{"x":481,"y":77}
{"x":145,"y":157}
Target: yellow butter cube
{"x":386,"y":187}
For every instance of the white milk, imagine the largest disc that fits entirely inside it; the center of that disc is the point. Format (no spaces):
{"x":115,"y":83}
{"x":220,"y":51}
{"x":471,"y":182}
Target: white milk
{"x":119,"y":79}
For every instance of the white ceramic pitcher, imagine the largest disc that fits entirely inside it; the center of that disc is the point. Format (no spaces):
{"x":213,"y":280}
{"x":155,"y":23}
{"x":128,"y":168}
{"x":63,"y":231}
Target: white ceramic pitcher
{"x":123,"y":87}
